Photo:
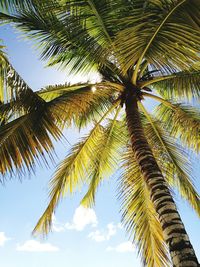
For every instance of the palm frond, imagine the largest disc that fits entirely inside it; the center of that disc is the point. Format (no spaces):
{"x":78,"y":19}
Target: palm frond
{"x":16,"y":6}
{"x":26,"y":123}
{"x":97,"y":14}
{"x":172,"y":160}
{"x":76,"y":34}
{"x":163,"y":33}
{"x":63,"y":38}
{"x":3,"y":68}
{"x":182,"y":121}
{"x":26,"y":139}
{"x":73,"y":172}
{"x":52,"y":91}
{"x":139,"y":215}
{"x":13,"y":4}
{"x":15,"y":94}
{"x":10,"y":81}
{"x":108,"y":157}
{"x":181,"y":85}
{"x":83,"y":105}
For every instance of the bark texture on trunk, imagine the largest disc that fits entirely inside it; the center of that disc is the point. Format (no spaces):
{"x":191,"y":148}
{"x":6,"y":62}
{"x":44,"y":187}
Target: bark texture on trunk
{"x":180,"y":248}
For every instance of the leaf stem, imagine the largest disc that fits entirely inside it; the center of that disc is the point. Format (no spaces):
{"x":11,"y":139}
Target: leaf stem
{"x":160,"y":99}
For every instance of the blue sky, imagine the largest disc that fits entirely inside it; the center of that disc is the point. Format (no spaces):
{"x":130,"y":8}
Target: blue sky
{"x":80,"y":237}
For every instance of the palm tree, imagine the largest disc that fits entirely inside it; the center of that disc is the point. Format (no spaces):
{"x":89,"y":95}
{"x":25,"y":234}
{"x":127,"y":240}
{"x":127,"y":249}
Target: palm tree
{"x":141,"y":50}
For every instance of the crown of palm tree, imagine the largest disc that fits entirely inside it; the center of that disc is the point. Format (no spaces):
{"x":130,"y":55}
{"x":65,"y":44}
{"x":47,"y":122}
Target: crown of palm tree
{"x":150,"y":47}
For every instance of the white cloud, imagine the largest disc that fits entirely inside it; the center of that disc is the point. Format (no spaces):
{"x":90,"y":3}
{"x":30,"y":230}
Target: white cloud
{"x":57,"y":226}
{"x":112,"y":229}
{"x":99,"y":236}
{"x":123,"y":247}
{"x":82,"y":217}
{"x":3,"y":239}
{"x":35,"y":246}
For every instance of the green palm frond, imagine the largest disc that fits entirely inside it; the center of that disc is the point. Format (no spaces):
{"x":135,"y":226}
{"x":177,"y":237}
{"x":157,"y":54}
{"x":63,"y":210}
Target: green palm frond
{"x":58,"y":41}
{"x":159,"y":34}
{"x":17,"y":5}
{"x":181,"y":85}
{"x":108,"y":157}
{"x":26,"y":139}
{"x":139,"y":216}
{"x":9,"y":4}
{"x":97,"y":13}
{"x":75,"y":34}
{"x":172,"y":160}
{"x":182,"y":121}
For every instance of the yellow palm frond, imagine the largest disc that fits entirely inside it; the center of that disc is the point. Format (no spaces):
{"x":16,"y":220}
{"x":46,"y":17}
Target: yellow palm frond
{"x":83,"y":105}
{"x":109,"y":153}
{"x":181,"y":85}
{"x":52,"y":91}
{"x":163,"y":33}
{"x":73,"y":172}
{"x":139,"y":215}
{"x":172,"y":160}
{"x":182,"y":121}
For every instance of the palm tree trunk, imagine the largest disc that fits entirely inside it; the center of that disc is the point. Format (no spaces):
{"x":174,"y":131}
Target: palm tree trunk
{"x":181,"y":250}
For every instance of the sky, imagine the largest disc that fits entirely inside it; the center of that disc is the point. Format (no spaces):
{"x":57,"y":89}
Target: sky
{"x":80,"y":237}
